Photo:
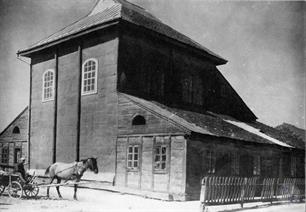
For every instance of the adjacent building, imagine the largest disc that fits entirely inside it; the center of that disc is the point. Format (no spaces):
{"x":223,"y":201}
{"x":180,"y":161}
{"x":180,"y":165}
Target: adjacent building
{"x":13,"y":140}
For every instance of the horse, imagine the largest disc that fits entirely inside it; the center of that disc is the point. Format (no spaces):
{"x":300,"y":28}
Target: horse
{"x":70,"y":171}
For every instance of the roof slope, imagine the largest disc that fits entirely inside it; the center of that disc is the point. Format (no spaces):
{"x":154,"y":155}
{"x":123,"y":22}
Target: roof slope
{"x":218,"y":125}
{"x":17,"y":117}
{"x":106,"y":11}
{"x":293,"y":131}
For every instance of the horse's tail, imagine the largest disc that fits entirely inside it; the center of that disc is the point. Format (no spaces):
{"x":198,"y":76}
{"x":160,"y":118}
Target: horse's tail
{"x":47,"y":170}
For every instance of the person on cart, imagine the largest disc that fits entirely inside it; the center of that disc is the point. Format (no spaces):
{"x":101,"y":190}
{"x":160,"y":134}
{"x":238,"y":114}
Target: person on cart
{"x":20,"y":171}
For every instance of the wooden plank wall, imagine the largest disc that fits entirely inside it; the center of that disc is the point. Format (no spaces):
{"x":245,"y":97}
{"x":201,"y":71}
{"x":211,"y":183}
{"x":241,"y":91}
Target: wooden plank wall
{"x":172,"y":181}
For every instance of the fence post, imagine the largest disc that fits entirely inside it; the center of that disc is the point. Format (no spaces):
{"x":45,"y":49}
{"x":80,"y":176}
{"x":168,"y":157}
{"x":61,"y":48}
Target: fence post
{"x":203,"y":194}
{"x":243,"y":191}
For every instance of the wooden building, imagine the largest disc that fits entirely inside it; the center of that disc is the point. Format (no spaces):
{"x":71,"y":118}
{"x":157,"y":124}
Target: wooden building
{"x":13,"y":140}
{"x":149,"y":102}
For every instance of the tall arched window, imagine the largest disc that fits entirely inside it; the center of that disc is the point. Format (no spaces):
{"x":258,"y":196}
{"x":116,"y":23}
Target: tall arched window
{"x":48,"y":85}
{"x":89,"y":76}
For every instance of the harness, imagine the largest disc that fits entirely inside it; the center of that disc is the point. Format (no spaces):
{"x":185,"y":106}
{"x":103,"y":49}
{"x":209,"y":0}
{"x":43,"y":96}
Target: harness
{"x":79,"y":169}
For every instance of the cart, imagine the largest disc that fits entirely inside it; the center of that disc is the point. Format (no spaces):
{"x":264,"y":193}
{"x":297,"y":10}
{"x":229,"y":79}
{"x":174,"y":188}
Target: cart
{"x":15,"y":188}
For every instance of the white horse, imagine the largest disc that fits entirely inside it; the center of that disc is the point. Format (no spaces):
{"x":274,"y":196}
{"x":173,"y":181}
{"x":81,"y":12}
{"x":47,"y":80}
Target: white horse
{"x":70,"y":171}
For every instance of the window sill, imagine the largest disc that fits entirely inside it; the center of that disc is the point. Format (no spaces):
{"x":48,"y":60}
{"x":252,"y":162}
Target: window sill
{"x":47,"y":100}
{"x":160,"y":171}
{"x":89,"y":93}
{"x":132,"y":170}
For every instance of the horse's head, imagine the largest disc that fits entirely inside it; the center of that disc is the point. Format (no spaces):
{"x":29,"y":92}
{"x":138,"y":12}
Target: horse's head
{"x":92,"y":164}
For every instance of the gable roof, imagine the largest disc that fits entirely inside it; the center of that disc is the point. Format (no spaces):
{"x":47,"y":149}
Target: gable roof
{"x":217,"y":125}
{"x":17,"y":117}
{"x":106,"y":11}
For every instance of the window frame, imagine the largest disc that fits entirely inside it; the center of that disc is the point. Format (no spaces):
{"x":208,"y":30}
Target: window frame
{"x":235,"y":163}
{"x":133,"y":168}
{"x":16,"y":130}
{"x":293,"y":166}
{"x":166,"y":162}
{"x":7,"y":154}
{"x":95,"y":90}
{"x":257,"y":169}
{"x":135,"y":118}
{"x":51,"y":98}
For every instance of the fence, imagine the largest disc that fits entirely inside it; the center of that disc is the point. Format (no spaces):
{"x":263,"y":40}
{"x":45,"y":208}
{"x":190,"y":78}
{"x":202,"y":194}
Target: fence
{"x":228,"y":190}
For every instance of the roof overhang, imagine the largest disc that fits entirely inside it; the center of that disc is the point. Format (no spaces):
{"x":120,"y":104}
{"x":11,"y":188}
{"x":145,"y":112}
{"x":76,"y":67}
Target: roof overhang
{"x":27,"y":52}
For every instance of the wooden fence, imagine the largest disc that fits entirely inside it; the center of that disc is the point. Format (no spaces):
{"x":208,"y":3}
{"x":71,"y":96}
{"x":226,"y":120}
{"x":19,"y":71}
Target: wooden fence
{"x":229,"y":190}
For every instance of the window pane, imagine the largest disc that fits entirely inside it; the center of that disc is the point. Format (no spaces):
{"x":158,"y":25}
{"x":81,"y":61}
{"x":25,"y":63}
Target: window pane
{"x":135,"y":164}
{"x":157,"y":150}
{"x":163,"y":150}
{"x":129,"y":164}
{"x":163,"y":166}
{"x":164,"y":158}
{"x":130,"y":149}
{"x":157,"y":158}
{"x":136,"y":149}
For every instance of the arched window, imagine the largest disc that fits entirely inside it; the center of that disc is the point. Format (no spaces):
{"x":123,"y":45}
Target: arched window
{"x":16,"y":130}
{"x":138,"y":120}
{"x":48,"y":85}
{"x":89,"y":76}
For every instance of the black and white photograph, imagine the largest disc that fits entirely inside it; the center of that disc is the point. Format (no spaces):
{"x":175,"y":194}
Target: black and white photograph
{"x":152,"y":105}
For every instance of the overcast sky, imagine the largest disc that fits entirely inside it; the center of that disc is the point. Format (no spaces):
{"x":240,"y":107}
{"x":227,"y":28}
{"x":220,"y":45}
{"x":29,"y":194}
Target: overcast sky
{"x":262,"y":40}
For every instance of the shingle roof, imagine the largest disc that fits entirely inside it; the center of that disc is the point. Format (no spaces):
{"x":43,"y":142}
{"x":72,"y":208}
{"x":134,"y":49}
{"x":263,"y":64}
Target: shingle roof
{"x":217,"y":125}
{"x":111,"y":10}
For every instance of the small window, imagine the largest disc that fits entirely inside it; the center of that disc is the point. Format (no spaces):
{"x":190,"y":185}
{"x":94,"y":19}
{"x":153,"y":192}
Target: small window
{"x":139,"y":120}
{"x":17,"y":155}
{"x":187,"y":89}
{"x":293,"y":166}
{"x":160,"y":158}
{"x":5,"y":155}
{"x":257,"y":167}
{"x":211,"y":162}
{"x":235,"y":163}
{"x":16,"y":130}
{"x":133,"y":157}
{"x":48,"y":86}
{"x":89,"y":76}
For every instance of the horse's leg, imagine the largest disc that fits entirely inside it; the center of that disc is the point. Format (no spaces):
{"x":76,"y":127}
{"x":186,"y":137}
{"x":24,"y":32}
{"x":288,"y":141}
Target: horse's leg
{"x":52,"y":178}
{"x":75,"y":191}
{"x":57,"y":187}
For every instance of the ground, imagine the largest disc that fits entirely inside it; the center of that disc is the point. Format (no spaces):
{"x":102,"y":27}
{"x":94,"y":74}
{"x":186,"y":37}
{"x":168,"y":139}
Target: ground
{"x":97,"y":200}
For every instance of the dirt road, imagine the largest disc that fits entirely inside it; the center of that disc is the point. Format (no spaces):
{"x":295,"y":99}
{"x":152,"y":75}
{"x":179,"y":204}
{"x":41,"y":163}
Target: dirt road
{"x":97,"y":200}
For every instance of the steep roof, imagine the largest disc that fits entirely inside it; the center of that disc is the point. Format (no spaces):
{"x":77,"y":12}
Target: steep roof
{"x":15,"y":119}
{"x":106,"y":11}
{"x":218,"y":125}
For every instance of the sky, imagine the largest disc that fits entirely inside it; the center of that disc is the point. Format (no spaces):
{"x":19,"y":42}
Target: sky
{"x":262,"y":40}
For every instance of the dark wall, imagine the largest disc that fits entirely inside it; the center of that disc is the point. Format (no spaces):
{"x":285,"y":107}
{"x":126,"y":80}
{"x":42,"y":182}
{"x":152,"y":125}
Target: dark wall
{"x":153,"y":68}
{"x":198,"y":161}
{"x":98,"y":116}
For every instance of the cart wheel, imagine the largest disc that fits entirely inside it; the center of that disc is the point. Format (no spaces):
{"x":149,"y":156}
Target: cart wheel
{"x":15,"y":190}
{"x":31,"y":190}
{"x":2,"y":188}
